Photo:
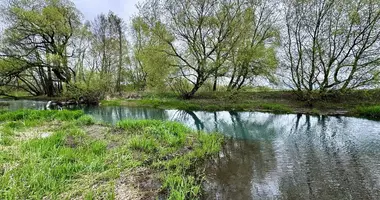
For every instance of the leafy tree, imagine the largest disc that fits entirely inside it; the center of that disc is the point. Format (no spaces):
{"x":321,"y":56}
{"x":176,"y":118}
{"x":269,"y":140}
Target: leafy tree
{"x":151,"y":64}
{"x":197,"y":29}
{"x":255,"y":53}
{"x":38,"y":35}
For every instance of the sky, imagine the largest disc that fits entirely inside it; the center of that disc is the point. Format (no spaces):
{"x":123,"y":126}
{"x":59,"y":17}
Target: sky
{"x":91,"y":8}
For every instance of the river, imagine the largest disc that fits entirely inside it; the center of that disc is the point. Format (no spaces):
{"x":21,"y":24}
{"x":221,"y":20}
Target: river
{"x":272,"y":156}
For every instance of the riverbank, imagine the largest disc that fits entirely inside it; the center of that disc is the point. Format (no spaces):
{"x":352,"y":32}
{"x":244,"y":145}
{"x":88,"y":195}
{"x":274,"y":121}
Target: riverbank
{"x":65,"y":154}
{"x":358,"y":103}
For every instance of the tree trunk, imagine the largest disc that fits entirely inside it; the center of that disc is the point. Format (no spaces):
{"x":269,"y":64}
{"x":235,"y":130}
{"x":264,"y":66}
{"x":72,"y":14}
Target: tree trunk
{"x":118,"y":84}
{"x":191,"y":94}
{"x":49,"y":84}
{"x":215,"y":82}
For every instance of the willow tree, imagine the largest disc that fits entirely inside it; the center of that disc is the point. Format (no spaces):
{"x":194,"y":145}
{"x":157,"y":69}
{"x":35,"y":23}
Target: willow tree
{"x":38,"y":34}
{"x":332,"y":45}
{"x":255,"y":52}
{"x":197,"y":30}
{"x":151,"y":66}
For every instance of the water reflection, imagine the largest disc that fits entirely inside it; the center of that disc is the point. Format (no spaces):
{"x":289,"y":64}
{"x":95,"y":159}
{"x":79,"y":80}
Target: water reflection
{"x":309,"y":158}
{"x":277,"y":156}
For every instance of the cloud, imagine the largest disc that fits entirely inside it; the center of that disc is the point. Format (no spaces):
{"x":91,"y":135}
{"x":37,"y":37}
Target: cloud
{"x":91,"y":8}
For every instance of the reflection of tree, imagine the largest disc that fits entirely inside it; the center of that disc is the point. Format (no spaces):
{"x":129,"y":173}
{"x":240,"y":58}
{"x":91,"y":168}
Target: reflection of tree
{"x":241,"y":161}
{"x":198,"y":123}
{"x":248,"y":128}
{"x":324,"y":166}
{"x":115,"y":114}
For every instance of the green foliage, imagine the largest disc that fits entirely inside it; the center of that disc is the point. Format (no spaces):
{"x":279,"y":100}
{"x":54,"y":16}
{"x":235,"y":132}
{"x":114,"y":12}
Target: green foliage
{"x":55,"y":23}
{"x":93,"y":90}
{"x":153,"y":64}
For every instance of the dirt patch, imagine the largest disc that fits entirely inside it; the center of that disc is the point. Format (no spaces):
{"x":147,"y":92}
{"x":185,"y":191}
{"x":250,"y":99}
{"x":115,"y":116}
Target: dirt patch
{"x":140,"y":184}
{"x":96,"y":131}
{"x":71,"y":142}
{"x":42,"y":131}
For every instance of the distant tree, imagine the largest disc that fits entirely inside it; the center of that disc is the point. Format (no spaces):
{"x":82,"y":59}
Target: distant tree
{"x":117,"y":24}
{"x":109,"y":49}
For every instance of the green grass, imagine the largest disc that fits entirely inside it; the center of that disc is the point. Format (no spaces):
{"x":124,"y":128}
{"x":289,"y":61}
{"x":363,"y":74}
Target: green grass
{"x":368,"y":111}
{"x":76,"y":161}
{"x":276,"y":108}
{"x":31,"y":115}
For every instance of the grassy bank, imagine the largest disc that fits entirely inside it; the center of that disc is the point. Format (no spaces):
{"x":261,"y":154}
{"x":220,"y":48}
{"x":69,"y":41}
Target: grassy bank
{"x":351,"y":104}
{"x":65,"y":154}
{"x":359,"y":103}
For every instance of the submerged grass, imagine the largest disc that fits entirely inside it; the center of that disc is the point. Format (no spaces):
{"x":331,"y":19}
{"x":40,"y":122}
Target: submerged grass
{"x":75,"y":161}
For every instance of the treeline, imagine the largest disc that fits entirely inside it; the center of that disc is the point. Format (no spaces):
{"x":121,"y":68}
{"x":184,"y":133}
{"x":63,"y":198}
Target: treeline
{"x":313,"y":46}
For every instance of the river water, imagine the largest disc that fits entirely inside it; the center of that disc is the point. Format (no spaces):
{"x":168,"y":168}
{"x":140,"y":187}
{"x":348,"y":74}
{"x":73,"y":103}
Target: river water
{"x":273,"y":156}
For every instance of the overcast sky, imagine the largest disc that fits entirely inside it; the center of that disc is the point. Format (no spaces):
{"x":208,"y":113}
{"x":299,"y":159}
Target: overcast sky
{"x":91,"y":8}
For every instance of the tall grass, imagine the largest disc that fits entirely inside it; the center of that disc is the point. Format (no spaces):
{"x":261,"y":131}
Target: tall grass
{"x":45,"y":167}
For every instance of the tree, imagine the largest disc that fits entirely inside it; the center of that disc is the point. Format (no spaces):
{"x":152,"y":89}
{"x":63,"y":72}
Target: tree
{"x":255,"y":54}
{"x":37,"y":36}
{"x":197,"y":30}
{"x":107,"y":47}
{"x":117,"y":25}
{"x":152,"y":66}
{"x":332,"y":45}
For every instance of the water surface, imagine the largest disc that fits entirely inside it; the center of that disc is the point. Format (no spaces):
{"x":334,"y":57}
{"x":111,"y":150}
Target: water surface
{"x":276,"y":156}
